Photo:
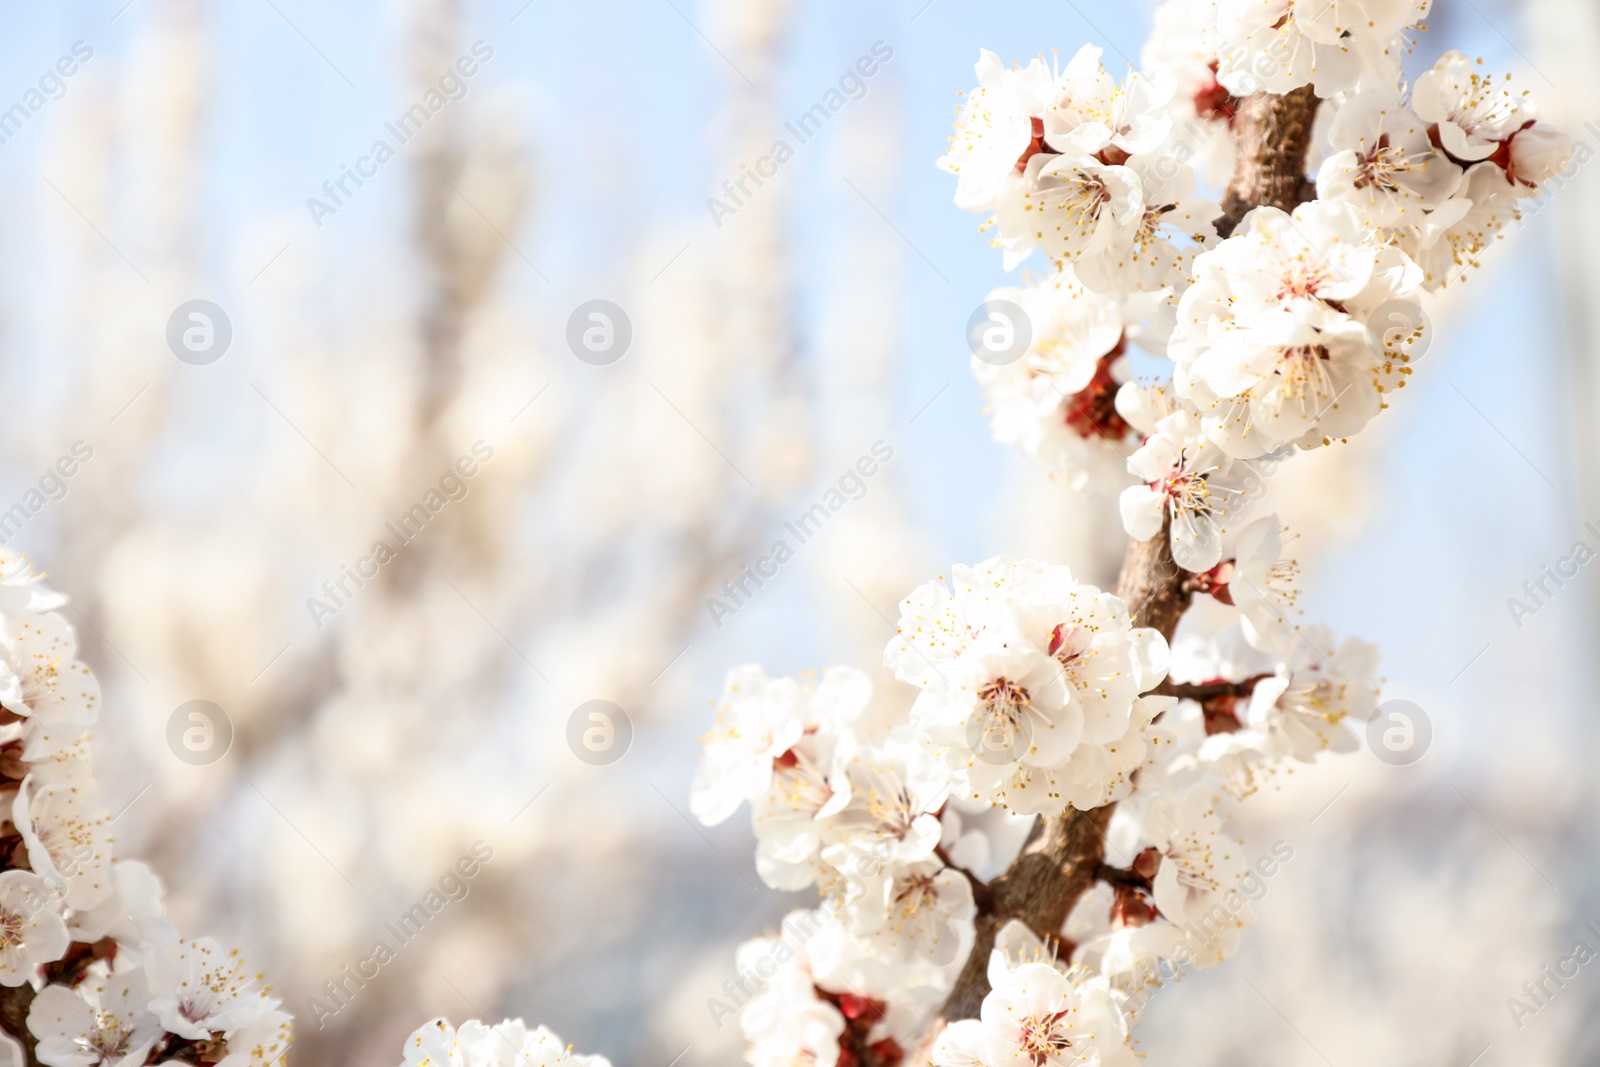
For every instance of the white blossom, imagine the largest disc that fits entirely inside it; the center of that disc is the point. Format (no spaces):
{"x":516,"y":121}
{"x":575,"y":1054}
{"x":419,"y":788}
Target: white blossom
{"x":1274,"y":343}
{"x":886,"y":997}
{"x":759,"y":719}
{"x":809,"y":786}
{"x":41,"y":681}
{"x":1281,"y":45}
{"x":32,"y":930}
{"x":1200,"y":866}
{"x":1127,"y":945}
{"x":1038,"y":1017}
{"x":994,"y":128}
{"x":1091,"y":112}
{"x":24,"y":591}
{"x":1261,"y":583}
{"x":131,"y":914}
{"x":1181,"y":45}
{"x":1034,"y":699}
{"x":509,"y":1044}
{"x":264,"y":1042}
{"x":1072,"y":204}
{"x":199,"y":990}
{"x":897,"y":790}
{"x":919,"y":912}
{"x":67,"y":830}
{"x":1035,"y":693}
{"x":1016,"y":945}
{"x":1174,"y":226}
{"x":1191,"y":484}
{"x":1075,"y":163}
{"x":105,"y":1021}
{"x":1474,"y":112}
{"x":1056,"y":400}
{"x":1304,"y":706}
{"x":1452,"y":240}
{"x":787,"y":1022}
{"x":1383,"y":162}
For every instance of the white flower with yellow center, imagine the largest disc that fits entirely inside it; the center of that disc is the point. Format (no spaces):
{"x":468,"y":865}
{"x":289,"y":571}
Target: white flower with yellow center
{"x":1277,"y":340}
{"x":1193,"y":486}
{"x":810,"y":787}
{"x":917,"y":913}
{"x":67,"y":830}
{"x":1200,"y":866}
{"x":1383,"y":162}
{"x":1039,"y":1017}
{"x":1174,"y":226}
{"x":1281,"y":45}
{"x":200,"y":990}
{"x":1452,"y":240}
{"x":1072,"y":204}
{"x":1090,"y":112}
{"x":1305,"y":707}
{"x":994,"y":127}
{"x":32,"y":931}
{"x":896,"y":792}
{"x":102,"y":1022}
{"x":43,"y":684}
{"x":1475,"y":113}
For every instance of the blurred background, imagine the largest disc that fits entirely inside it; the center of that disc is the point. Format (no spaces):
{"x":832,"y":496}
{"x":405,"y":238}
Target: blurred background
{"x":379,"y":334}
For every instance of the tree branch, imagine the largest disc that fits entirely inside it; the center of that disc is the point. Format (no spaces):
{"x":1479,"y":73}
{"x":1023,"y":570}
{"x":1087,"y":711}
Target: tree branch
{"x":14,"y":1004}
{"x":1062,"y":861}
{"x":1039,"y":888}
{"x":1201,"y":692}
{"x":1273,"y":136}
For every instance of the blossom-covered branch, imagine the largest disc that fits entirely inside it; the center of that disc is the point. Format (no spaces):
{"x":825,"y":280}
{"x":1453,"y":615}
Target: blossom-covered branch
{"x":91,"y":972}
{"x":1006,"y":871}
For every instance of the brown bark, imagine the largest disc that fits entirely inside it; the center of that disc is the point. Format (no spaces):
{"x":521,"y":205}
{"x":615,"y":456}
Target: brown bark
{"x":14,"y":1004}
{"x":1273,"y":134}
{"x":1066,"y":856}
{"x":1201,"y":692}
{"x":1152,"y":584}
{"x":1040,"y":888}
